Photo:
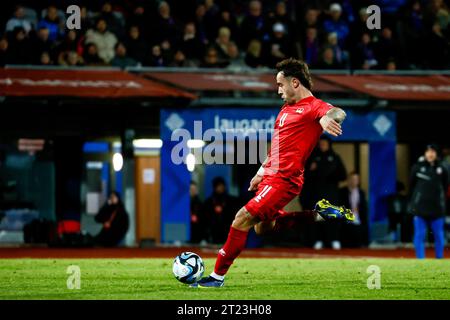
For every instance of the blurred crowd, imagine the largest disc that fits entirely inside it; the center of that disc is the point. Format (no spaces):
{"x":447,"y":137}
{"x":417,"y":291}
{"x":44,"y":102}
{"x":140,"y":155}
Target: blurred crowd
{"x":327,"y":34}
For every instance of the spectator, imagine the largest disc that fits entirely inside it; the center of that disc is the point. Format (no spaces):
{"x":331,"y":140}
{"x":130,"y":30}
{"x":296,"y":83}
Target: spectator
{"x":69,"y":50}
{"x":155,"y":58}
{"x":436,"y":11}
{"x":114,"y":23}
{"x":4,"y":53}
{"x":354,"y":234}
{"x":253,"y":57}
{"x":20,"y":49}
{"x":211,"y":8}
{"x":359,"y":26}
{"x":337,"y":24}
{"x":53,"y":23}
{"x":428,"y":185}
{"x":279,"y":46}
{"x":386,"y":48}
{"x":200,"y":23}
{"x":45,"y":59}
{"x":220,"y":209}
{"x":211,"y":59}
{"x":281,"y":16}
{"x":227,"y":19}
{"x":211,"y":19}
{"x":236,"y":61}
{"x":311,"y":47}
{"x":364,"y":55}
{"x":198,"y":225}
{"x":438,"y":49}
{"x":114,"y":219}
{"x":327,"y":60}
{"x":19,"y":20}
{"x":400,"y":223}
{"x":413,"y":35}
{"x":103,"y":39}
{"x":86,"y":19}
{"x":121,"y":59}
{"x":324,"y":171}
{"x":339,"y":55}
{"x":42,"y":44}
{"x":311,"y":18}
{"x":137,"y":47}
{"x":179,"y":60}
{"x":138,"y":19}
{"x":221,"y":45}
{"x":70,"y":59}
{"x":165,"y":27}
{"x":190,"y":44}
{"x":167,"y":52}
{"x":391,"y":65}
{"x":71,"y":42}
{"x":91,"y":57}
{"x":254,"y":26}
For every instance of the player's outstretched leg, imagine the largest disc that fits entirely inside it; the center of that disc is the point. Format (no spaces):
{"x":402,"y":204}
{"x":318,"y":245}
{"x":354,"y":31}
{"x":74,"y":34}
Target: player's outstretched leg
{"x":323,"y":210}
{"x":286,"y":221}
{"x":237,"y":237}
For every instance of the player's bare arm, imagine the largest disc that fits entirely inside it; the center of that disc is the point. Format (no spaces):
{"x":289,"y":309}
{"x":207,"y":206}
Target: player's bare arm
{"x":256,"y":180}
{"x":331,"y":122}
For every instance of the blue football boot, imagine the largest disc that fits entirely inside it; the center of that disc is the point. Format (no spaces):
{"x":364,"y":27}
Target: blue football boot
{"x":208,"y":282}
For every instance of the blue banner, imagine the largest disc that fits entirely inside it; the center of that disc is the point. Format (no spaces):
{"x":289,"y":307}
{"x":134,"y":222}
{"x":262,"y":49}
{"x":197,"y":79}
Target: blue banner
{"x":359,"y":126}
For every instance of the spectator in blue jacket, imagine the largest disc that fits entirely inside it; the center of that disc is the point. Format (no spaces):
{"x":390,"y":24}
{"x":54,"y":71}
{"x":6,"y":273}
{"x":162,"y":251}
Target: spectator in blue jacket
{"x":52,"y":22}
{"x":337,"y":24}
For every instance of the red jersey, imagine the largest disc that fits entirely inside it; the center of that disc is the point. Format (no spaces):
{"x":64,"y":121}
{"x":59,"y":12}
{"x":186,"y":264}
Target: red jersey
{"x":296,"y":133}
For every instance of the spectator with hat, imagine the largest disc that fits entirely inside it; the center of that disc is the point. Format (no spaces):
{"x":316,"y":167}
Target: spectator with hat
{"x":279,"y":46}
{"x":337,"y":24}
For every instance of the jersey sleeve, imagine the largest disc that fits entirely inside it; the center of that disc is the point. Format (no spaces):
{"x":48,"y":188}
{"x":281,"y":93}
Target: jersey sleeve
{"x":320,"y":109}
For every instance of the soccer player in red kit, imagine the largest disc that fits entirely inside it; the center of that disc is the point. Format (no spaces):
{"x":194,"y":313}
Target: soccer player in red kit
{"x":298,"y":127}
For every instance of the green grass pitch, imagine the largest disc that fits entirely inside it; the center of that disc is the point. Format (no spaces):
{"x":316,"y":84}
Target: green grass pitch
{"x":248,"y":279}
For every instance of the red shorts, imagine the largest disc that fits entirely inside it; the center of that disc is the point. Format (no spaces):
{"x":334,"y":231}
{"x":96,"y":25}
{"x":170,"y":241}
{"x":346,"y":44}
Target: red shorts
{"x":272,"y":196}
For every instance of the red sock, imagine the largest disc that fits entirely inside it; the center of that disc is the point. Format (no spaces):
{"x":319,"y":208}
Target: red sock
{"x":289,"y":220}
{"x":235,"y":244}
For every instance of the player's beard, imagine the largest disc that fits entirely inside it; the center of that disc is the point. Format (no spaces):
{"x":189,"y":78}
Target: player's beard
{"x":289,"y":98}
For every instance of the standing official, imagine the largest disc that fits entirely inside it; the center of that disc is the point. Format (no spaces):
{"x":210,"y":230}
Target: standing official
{"x":429,"y":181}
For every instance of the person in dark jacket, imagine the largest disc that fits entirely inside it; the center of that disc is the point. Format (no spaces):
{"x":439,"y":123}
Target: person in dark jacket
{"x":115,"y":222}
{"x":355,"y":234}
{"x":197,"y":216}
{"x":324,"y":171}
{"x":219,"y":211}
{"x":400,"y":222}
{"x":429,"y":181}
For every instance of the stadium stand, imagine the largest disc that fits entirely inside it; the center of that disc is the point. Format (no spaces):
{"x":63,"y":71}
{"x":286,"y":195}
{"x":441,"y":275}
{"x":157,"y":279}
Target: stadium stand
{"x":254,"y":34}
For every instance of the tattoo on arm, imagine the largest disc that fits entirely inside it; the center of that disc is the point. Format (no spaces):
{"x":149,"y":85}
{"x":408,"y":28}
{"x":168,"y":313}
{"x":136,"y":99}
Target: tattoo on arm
{"x":337,"y":114}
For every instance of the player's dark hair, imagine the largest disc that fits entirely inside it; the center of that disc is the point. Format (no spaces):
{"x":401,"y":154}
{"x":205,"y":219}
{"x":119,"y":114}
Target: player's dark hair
{"x":298,"y":69}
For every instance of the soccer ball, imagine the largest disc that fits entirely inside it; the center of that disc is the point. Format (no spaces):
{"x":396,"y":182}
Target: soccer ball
{"x":188,"y":267}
